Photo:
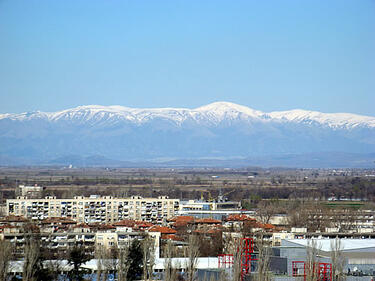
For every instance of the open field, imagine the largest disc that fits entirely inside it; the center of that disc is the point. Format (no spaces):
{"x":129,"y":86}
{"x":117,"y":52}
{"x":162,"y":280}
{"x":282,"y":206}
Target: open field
{"x":252,"y":184}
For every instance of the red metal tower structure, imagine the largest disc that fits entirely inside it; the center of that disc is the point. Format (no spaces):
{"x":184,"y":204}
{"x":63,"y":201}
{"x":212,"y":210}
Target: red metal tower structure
{"x":323,"y":270}
{"x":245,"y":250}
{"x":298,"y":269}
{"x":247,"y":256}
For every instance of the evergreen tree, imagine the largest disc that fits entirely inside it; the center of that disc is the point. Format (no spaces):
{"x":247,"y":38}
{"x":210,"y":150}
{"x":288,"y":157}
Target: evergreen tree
{"x":77,"y":257}
{"x":136,"y":260}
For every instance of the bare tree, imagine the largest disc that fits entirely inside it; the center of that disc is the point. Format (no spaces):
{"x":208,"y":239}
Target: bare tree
{"x":346,"y":219}
{"x":123,"y":263}
{"x":170,"y":272}
{"x":267,"y":209}
{"x":311,"y":270}
{"x":297,"y":217}
{"x":5,"y":258}
{"x":106,"y":261}
{"x":264,"y":253}
{"x":235,"y":248}
{"x":110,"y":262}
{"x":53,"y":267}
{"x":212,"y":277}
{"x":319,"y":217}
{"x":192,"y":254}
{"x":32,"y":257}
{"x":337,"y":259}
{"x":148,"y":248}
{"x":100,"y":256}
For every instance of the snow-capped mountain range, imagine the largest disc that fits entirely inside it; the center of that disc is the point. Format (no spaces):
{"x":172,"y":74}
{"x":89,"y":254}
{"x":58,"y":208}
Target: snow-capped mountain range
{"x":220,"y":129}
{"x":212,"y":114}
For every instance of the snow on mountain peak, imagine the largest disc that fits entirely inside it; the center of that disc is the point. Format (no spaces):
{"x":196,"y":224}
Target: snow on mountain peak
{"x":334,"y":120}
{"x":220,"y":111}
{"x":221,"y":106}
{"x":211,"y":114}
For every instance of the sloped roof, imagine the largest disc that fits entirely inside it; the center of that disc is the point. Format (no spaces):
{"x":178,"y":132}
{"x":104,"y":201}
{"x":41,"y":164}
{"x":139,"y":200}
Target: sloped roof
{"x":105,"y":227}
{"x":207,"y":221}
{"x":125,"y":223}
{"x":58,"y":220}
{"x":12,"y":218}
{"x":182,"y":218}
{"x":143,"y":224}
{"x":180,"y":223}
{"x":239,"y":217}
{"x":162,"y":229}
{"x":172,"y":237}
{"x":268,"y":226}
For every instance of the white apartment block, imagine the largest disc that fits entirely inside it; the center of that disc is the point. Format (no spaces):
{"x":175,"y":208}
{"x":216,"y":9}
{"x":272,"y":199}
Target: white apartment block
{"x":95,"y":209}
{"x":30,"y":191}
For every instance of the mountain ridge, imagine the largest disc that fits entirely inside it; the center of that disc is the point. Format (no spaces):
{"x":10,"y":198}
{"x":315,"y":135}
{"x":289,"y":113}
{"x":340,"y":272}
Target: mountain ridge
{"x":217,"y":130}
{"x":214,"y":113}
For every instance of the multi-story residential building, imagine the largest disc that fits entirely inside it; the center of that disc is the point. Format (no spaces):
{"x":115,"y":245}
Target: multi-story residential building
{"x":33,"y":191}
{"x":95,"y":209}
{"x":60,"y":242}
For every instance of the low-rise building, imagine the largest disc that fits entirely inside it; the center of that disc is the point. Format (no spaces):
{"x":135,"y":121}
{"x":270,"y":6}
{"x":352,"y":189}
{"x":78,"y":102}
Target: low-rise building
{"x":200,"y":205}
{"x":358,"y":254}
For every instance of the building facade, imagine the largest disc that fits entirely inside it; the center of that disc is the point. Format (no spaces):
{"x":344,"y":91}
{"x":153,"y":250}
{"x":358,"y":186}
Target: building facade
{"x":95,"y":209}
{"x":33,"y":191}
{"x":199,"y":205}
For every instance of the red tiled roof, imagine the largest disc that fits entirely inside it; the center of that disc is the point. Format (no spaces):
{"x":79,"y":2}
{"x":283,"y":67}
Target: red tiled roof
{"x":239,"y":218}
{"x":256,"y":224}
{"x":58,"y":220}
{"x":268,"y":226}
{"x":126,"y":223}
{"x":162,"y":229}
{"x":182,"y":219}
{"x":253,"y":224}
{"x":143,"y":224}
{"x":171,"y":237}
{"x":207,"y":221}
{"x":105,"y":227}
{"x":12,"y":218}
{"x":180,"y":223}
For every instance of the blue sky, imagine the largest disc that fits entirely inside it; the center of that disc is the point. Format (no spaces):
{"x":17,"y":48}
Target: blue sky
{"x":268,"y":55}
